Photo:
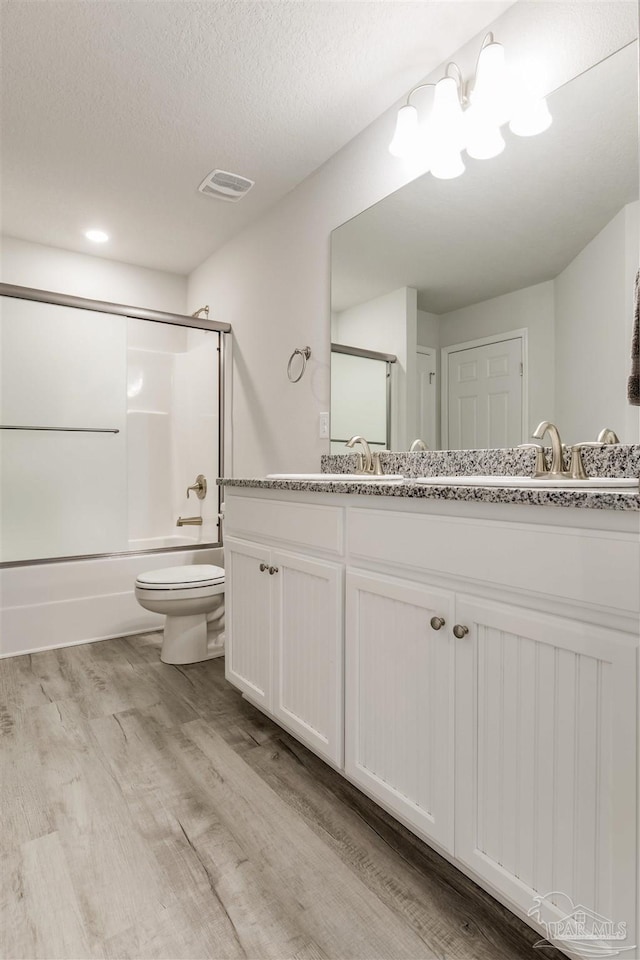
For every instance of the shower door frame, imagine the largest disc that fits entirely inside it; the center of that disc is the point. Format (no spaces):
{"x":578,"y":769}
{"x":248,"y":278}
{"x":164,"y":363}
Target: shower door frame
{"x":155,"y":316}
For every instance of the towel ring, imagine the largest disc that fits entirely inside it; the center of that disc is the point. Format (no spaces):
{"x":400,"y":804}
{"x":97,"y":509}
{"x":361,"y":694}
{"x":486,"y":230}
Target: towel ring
{"x":304,"y":353}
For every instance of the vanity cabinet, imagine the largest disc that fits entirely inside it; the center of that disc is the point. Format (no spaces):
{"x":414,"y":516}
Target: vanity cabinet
{"x":284,"y":630}
{"x":512,"y":745}
{"x":509,"y":744}
{"x":399,"y":699}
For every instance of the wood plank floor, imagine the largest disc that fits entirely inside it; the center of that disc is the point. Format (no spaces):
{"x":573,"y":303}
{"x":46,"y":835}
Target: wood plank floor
{"x":148,"y":811}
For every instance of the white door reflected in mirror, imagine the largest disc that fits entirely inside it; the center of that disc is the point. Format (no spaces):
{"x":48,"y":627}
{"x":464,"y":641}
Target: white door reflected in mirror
{"x":483,"y":395}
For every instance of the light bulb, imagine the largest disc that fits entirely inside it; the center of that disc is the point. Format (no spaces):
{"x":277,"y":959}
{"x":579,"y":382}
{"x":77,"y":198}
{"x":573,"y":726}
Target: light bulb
{"x":96,"y":236}
{"x":405,"y":136}
{"x":447,"y":164}
{"x":531,"y":117}
{"x":447,"y":122}
{"x":530,"y":113}
{"x":446,"y":131}
{"x":484,"y":139}
{"x":490,"y":92}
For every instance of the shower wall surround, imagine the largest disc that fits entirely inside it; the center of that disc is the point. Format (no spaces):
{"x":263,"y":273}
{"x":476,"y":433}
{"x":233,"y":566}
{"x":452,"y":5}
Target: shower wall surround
{"x":172,"y":432}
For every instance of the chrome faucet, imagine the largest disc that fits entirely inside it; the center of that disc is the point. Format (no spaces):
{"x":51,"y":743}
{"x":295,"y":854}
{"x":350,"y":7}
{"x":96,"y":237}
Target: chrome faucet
{"x":417,"y":446}
{"x":608,"y":436}
{"x":189,"y":522}
{"x":200,"y":487}
{"x":370,"y":462}
{"x":557,"y":450}
{"x":365,"y":463}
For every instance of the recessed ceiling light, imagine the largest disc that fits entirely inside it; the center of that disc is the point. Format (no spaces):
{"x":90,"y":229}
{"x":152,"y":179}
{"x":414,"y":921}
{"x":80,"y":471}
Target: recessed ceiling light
{"x":96,"y":236}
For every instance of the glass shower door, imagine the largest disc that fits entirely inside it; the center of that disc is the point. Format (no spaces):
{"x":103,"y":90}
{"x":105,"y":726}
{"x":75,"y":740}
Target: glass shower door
{"x":63,"y":446}
{"x":106,"y":420}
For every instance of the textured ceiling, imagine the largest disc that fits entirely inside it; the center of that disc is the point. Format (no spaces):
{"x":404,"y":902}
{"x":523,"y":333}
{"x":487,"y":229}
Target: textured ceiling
{"x":113,"y":112}
{"x":509,"y":222}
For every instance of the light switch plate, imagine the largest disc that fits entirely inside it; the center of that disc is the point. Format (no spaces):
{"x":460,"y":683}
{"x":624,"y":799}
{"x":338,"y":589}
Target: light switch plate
{"x":324,"y":426}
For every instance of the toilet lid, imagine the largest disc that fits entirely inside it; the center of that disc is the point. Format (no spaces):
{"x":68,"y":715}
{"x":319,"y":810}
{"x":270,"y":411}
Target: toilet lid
{"x":194,"y":575}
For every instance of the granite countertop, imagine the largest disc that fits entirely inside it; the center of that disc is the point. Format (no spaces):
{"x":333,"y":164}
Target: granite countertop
{"x":611,"y":460}
{"x":590,"y":499}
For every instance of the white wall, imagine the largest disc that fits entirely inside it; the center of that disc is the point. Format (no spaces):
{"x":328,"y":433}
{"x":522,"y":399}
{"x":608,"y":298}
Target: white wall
{"x":272,"y":281}
{"x":592,"y":292}
{"x":388,"y":324}
{"x":29,"y":264}
{"x":428,"y":329}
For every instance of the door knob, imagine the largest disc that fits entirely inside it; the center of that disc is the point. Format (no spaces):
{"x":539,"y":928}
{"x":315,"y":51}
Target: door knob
{"x":460,"y":631}
{"x":273,"y":570}
{"x":263,"y":567}
{"x":437,"y":622}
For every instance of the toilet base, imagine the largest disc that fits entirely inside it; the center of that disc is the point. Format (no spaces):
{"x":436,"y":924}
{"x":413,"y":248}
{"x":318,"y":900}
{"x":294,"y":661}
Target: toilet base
{"x":193,"y":639}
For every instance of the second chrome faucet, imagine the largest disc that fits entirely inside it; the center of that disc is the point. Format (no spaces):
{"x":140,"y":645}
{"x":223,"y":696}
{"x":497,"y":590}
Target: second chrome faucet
{"x":557,"y":452}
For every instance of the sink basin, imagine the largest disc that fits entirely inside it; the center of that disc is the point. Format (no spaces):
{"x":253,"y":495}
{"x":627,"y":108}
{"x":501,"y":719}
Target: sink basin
{"x":348,"y":477}
{"x":540,"y":483}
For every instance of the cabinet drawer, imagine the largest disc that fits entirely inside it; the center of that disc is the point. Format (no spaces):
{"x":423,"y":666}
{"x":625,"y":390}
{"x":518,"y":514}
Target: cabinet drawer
{"x":302,"y":524}
{"x":587,"y":566}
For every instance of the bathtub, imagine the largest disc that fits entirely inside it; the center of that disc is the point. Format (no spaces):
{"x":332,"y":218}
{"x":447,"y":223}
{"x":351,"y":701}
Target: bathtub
{"x":159,"y":543}
{"x":49,"y":605}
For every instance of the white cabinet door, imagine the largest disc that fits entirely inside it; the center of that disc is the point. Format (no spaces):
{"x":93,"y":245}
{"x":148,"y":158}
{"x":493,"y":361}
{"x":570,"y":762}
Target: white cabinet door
{"x":399,"y":700}
{"x":248,"y":619}
{"x":546,"y":760}
{"x":307,"y":640}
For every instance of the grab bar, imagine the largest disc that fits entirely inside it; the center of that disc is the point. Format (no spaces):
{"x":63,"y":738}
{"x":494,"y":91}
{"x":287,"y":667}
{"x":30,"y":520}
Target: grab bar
{"x":64,"y":429}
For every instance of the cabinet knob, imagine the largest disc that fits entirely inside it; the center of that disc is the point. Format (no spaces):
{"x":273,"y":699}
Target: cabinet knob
{"x":437,"y":622}
{"x":273,"y":570}
{"x":460,"y":631}
{"x":263,"y":567}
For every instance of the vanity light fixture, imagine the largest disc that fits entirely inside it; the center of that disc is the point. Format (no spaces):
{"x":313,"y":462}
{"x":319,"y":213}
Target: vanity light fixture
{"x":96,"y":236}
{"x":469,"y":117}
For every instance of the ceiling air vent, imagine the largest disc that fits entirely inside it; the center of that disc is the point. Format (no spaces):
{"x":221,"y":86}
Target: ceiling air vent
{"x":225,"y":186}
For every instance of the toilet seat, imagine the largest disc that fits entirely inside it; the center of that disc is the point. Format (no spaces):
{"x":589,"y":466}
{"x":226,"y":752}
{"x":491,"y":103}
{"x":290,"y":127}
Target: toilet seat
{"x":195,"y":577}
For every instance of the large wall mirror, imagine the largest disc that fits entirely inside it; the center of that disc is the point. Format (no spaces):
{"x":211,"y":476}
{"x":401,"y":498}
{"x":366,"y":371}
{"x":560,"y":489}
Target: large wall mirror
{"x":506,"y":295}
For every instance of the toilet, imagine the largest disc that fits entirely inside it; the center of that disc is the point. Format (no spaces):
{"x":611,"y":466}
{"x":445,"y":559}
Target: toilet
{"x":191,"y":598}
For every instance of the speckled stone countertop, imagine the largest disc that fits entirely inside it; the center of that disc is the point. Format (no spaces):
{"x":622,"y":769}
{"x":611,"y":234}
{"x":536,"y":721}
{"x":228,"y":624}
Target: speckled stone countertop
{"x":621,"y":460}
{"x":592,"y":499}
